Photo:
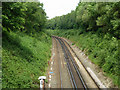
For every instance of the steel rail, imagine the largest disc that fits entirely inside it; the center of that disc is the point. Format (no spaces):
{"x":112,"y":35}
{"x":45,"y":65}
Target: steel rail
{"x":77,"y":70}
{"x":68,"y":65}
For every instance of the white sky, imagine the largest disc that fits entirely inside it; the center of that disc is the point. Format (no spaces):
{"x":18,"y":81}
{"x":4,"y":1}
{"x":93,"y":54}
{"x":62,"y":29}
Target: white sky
{"x":58,"y":7}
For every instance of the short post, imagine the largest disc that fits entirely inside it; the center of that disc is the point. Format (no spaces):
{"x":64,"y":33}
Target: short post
{"x":42,"y":82}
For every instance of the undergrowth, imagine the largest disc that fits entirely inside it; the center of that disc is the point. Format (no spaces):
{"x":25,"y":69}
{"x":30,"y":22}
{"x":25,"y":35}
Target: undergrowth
{"x":24,"y":59}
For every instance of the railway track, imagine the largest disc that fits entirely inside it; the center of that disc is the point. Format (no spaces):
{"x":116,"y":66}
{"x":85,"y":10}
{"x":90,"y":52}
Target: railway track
{"x":76,"y":78}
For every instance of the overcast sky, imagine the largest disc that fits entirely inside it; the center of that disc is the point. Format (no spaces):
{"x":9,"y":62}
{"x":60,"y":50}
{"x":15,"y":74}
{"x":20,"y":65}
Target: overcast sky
{"x":59,"y":7}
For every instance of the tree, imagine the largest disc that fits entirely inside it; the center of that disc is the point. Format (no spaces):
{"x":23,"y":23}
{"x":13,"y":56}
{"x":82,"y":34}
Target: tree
{"x":23,"y":16}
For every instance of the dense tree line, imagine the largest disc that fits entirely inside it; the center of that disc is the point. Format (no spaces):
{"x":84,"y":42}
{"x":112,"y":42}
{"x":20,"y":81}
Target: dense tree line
{"x":23,"y":16}
{"x":62,"y":22}
{"x":96,"y":17}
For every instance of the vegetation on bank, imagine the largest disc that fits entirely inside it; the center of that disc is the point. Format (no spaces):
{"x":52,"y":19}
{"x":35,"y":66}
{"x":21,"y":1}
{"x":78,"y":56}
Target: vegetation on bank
{"x":95,"y":30}
{"x":25,"y":45}
{"x":24,"y":59}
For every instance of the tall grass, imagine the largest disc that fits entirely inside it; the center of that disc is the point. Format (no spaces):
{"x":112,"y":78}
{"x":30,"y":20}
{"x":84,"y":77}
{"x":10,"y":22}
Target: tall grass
{"x":24,"y":59}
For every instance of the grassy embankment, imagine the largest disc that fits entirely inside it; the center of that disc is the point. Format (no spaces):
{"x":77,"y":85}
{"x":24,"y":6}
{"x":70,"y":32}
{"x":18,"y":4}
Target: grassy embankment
{"x":24,"y":59}
{"x":102,"y":50}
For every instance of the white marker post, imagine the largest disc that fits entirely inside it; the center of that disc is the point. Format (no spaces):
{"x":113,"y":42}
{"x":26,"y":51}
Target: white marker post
{"x":42,"y":82}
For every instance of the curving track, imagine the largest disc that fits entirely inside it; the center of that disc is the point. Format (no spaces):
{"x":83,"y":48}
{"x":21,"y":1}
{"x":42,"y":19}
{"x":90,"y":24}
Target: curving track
{"x":77,"y":80}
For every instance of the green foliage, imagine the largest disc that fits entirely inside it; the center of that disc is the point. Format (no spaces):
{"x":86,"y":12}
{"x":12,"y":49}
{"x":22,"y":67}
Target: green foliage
{"x":24,"y":55}
{"x":62,"y":22}
{"x":102,"y":51}
{"x":23,"y":16}
{"x":24,"y":59}
{"x":98,"y":17}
